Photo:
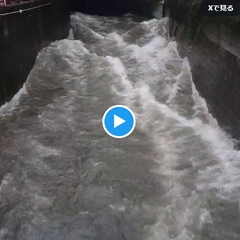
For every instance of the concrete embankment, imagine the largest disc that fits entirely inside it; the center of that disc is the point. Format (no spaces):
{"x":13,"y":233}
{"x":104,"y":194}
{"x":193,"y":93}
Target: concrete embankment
{"x":24,"y":30}
{"x":213,"y":48}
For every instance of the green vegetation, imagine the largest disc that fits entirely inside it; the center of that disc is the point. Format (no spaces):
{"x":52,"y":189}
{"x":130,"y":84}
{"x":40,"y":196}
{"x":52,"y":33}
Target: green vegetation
{"x":193,"y":19}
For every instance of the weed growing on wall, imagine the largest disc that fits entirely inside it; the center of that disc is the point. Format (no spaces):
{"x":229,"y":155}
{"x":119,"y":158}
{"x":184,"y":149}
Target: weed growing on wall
{"x":195,"y":15}
{"x":193,"y":19}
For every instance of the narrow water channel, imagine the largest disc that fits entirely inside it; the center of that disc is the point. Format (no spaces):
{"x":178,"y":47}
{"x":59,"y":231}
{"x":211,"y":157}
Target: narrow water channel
{"x":62,"y":177}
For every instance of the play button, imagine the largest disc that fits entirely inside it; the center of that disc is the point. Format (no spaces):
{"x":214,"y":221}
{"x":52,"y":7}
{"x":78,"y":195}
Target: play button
{"x":118,"y":121}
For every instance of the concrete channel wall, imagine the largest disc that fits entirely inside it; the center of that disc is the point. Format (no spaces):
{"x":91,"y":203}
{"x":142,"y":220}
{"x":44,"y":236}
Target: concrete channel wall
{"x":24,"y":30}
{"x":214,"y":56}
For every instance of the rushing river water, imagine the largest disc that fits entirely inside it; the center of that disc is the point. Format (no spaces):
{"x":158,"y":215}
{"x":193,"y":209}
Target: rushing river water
{"x":63,"y":178}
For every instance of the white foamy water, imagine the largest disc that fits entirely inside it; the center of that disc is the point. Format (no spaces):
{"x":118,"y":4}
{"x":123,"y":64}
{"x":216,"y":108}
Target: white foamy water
{"x":9,"y":106}
{"x":175,"y":177}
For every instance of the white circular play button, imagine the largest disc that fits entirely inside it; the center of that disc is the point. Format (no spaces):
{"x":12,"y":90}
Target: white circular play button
{"x":118,"y":121}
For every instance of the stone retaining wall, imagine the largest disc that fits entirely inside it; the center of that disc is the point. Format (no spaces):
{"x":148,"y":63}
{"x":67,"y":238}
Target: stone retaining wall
{"x":24,"y":30}
{"x":214,"y":56}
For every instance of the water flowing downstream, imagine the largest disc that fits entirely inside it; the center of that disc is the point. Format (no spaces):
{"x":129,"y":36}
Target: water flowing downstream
{"x":62,"y":177}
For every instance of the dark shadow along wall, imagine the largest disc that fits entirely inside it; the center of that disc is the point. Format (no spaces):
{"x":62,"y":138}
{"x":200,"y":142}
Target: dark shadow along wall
{"x":114,"y":7}
{"x":23,"y":35}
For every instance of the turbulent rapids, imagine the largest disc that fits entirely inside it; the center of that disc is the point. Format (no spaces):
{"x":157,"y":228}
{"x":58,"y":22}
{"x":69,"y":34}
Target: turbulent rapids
{"x":63,"y":178}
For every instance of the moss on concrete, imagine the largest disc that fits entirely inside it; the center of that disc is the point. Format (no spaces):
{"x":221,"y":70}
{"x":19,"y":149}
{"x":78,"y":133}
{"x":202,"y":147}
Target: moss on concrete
{"x":195,"y":17}
{"x":193,"y":20}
